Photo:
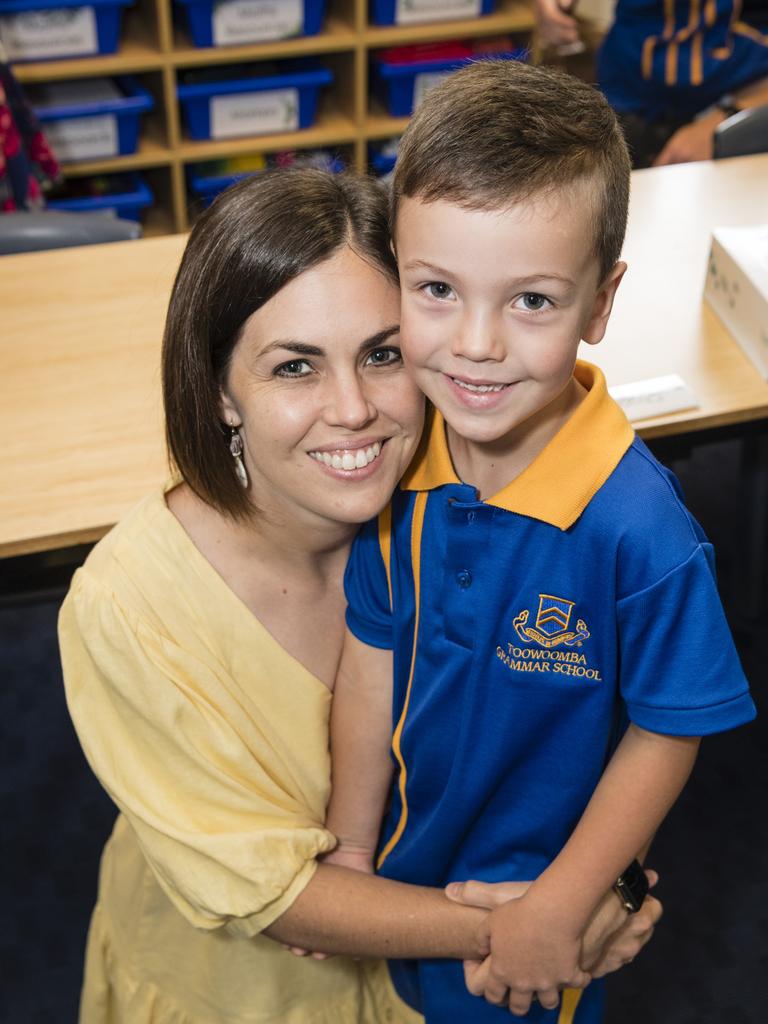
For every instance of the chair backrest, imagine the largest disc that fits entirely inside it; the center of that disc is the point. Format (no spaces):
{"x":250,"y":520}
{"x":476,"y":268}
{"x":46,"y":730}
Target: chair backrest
{"x":57,"y":229}
{"x":742,"y":133}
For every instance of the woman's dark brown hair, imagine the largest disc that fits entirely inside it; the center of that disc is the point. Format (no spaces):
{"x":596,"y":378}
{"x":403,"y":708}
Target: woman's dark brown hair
{"x":255,"y":238}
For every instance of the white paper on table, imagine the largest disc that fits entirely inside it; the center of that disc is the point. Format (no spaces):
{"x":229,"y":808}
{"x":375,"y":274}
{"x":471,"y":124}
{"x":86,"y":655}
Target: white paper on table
{"x":654,"y":396}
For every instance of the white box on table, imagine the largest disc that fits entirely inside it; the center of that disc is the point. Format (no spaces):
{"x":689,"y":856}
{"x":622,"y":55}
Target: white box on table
{"x":737,"y":287}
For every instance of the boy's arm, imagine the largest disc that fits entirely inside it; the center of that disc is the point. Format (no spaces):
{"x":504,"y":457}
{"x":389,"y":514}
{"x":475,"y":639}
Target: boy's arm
{"x":535,"y":941}
{"x":361,"y":769}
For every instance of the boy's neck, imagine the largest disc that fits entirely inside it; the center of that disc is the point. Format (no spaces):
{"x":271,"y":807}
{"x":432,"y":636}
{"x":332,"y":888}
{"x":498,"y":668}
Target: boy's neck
{"x":491,"y":466}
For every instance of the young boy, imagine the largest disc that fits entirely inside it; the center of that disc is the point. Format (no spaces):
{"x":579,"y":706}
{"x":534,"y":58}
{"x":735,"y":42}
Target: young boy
{"x":539,"y":593}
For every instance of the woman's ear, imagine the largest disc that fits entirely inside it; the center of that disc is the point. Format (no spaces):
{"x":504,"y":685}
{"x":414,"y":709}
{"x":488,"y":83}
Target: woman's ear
{"x":603,"y":304}
{"x":227,"y":410}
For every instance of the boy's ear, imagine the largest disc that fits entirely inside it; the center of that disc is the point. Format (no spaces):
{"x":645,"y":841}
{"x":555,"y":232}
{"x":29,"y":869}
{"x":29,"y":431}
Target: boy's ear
{"x":603,"y":304}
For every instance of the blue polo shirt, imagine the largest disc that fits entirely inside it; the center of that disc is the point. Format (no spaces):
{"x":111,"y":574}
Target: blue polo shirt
{"x":679,"y":57}
{"x":526,"y":629}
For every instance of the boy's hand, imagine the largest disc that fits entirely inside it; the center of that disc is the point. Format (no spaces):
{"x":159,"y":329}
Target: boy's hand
{"x":531,"y":955}
{"x":534,"y":953}
{"x":612,"y":938}
{"x":624,"y":943}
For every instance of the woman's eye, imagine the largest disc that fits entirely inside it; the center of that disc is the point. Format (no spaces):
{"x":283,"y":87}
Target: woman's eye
{"x":438,"y":290}
{"x":533,"y":302}
{"x":384,"y":357}
{"x":294,"y":368}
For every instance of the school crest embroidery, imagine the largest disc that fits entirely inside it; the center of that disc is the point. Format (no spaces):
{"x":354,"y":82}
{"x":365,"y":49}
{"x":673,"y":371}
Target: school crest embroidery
{"x":552,"y":626}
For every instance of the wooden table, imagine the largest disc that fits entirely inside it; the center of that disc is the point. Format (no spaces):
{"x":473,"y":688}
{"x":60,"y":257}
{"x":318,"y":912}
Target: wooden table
{"x":80,"y":418}
{"x":660,"y":324}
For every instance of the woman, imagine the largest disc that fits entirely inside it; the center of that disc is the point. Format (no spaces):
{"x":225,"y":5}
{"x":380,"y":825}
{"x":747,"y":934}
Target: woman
{"x":200,"y":639}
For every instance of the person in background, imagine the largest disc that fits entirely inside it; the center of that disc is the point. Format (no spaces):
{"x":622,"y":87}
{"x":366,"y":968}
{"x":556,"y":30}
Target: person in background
{"x":674,"y":71}
{"x":201,"y":637}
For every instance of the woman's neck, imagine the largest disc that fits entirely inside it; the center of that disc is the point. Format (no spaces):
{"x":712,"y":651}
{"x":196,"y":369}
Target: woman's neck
{"x":267,"y":538}
{"x":287,"y":574}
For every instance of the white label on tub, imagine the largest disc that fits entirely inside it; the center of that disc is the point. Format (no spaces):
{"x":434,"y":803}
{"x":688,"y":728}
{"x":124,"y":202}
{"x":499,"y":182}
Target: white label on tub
{"x":83,"y":138}
{"x":60,"y":32}
{"x":254,"y":113}
{"x":251,"y":21}
{"x":426,"y":82}
{"x":409,"y":12}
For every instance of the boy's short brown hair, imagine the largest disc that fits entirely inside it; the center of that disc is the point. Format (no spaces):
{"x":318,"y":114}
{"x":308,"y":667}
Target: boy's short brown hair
{"x":256,"y":237}
{"x":499,"y":132}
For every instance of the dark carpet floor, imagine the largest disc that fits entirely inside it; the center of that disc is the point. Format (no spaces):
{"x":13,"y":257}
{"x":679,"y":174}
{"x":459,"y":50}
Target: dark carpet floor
{"x":707,"y":964}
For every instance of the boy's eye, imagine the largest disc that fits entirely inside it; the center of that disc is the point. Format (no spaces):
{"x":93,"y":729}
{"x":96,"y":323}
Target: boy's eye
{"x":384,"y":356}
{"x":439,"y":290}
{"x":533,"y":302}
{"x":294,"y":368}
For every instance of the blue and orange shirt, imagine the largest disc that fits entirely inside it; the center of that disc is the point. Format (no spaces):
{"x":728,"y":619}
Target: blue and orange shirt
{"x":674,"y":58}
{"x":526,"y":630}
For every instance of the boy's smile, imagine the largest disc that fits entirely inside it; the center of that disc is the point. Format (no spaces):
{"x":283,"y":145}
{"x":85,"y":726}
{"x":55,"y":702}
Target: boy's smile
{"x":495,"y":303}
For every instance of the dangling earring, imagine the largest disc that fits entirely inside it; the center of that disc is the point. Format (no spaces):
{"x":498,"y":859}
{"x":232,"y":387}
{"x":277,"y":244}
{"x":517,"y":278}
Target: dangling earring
{"x":236,"y":448}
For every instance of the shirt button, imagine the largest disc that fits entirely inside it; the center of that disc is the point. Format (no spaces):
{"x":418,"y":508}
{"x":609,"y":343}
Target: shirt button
{"x":470,"y":517}
{"x":464,"y":578}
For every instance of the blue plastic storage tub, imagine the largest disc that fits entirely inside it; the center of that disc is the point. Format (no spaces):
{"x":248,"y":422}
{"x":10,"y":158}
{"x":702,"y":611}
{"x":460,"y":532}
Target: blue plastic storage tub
{"x":383,"y":158}
{"x":417,"y":12}
{"x":128,"y":196}
{"x":206,"y":185}
{"x":401,"y":86}
{"x":242,"y":105}
{"x":61,"y":28}
{"x":91,"y":118}
{"x":238,"y":22}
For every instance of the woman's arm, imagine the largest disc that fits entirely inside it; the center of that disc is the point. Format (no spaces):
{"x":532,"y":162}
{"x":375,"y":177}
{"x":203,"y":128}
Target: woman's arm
{"x":347,"y":911}
{"x":343,"y":911}
{"x":350,"y":911}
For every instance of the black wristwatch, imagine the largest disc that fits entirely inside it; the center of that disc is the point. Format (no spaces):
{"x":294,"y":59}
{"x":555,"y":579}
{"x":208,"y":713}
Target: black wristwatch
{"x":728,"y":106}
{"x":632,"y":887}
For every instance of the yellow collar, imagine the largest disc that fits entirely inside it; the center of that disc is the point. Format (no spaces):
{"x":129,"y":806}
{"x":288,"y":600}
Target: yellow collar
{"x":562,"y":480}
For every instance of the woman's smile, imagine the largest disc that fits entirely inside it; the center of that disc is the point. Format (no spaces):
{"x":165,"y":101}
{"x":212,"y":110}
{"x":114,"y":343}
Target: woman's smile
{"x":350,"y":458}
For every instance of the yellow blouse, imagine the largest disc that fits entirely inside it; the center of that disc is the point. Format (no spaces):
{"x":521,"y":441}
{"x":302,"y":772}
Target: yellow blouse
{"x":213,"y":742}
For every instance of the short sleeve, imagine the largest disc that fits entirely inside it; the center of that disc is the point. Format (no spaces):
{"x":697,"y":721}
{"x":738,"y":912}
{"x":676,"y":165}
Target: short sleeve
{"x":679,"y":668}
{"x":367,"y":589}
{"x":217,"y":815}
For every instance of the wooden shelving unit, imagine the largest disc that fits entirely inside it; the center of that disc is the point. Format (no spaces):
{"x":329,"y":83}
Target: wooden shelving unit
{"x":156,"y":49}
